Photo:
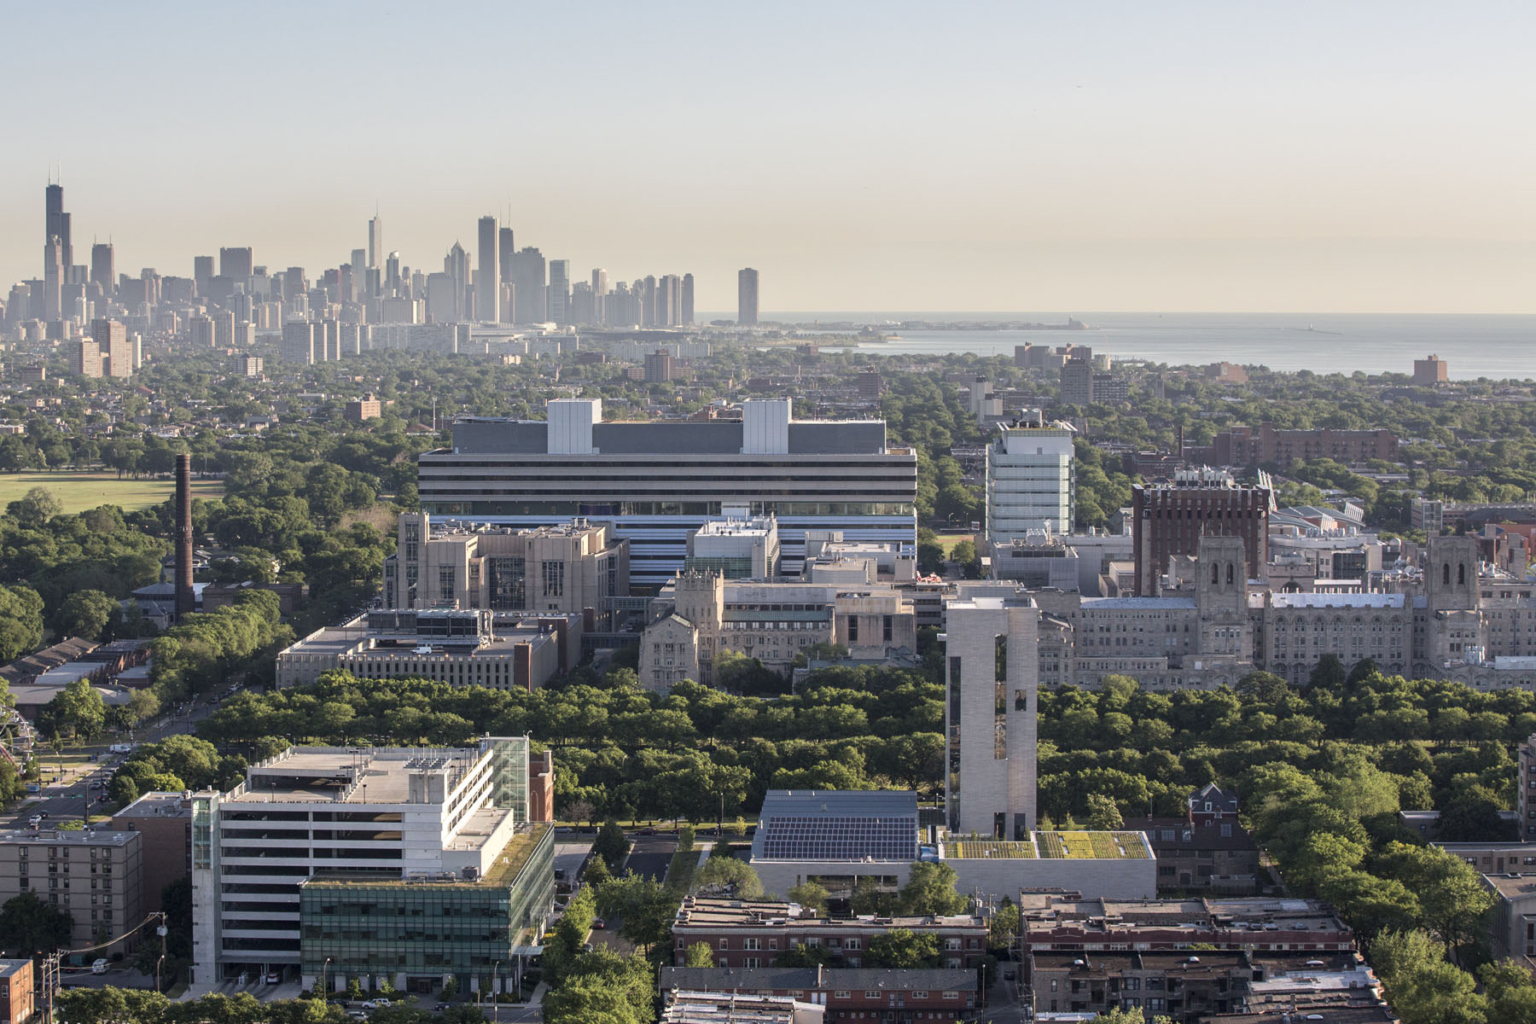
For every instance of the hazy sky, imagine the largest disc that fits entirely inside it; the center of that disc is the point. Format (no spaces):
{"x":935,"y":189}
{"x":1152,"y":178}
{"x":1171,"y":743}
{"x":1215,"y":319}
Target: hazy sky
{"x":1348,"y":156}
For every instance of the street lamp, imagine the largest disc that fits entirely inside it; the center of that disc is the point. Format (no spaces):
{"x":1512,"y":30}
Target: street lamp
{"x":161,"y":931}
{"x":325,"y":995}
{"x":495,"y":995}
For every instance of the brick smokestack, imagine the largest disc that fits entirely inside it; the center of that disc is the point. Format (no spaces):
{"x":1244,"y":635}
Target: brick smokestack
{"x":185,"y":601}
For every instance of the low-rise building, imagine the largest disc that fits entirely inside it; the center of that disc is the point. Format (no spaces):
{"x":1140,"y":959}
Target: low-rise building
{"x":466,"y":648}
{"x":1069,"y":922}
{"x":94,"y":876}
{"x":1182,"y":985}
{"x":686,"y":1006}
{"x":15,"y":991}
{"x":1512,"y":922}
{"x":847,"y":993}
{"x":1208,"y":848}
{"x":750,"y":933}
{"x":744,"y":548}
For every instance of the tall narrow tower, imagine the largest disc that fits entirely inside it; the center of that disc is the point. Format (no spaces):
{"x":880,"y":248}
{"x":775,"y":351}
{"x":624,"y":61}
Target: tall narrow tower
{"x":488,"y":278}
{"x":746,"y":296}
{"x":376,"y":250}
{"x":185,"y":600}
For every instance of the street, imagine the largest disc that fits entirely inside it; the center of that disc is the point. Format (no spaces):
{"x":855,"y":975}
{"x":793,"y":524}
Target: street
{"x":650,"y":855}
{"x":70,"y":797}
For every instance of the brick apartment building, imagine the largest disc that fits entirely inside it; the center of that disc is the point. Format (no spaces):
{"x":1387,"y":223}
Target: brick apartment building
{"x":1244,"y":446}
{"x":750,"y":933}
{"x":848,"y":993}
{"x":1065,"y":922}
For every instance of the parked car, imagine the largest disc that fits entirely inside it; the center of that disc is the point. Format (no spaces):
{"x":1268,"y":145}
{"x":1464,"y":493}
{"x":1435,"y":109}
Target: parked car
{"x":374,"y":1004}
{"x":274,"y":977}
{"x":99,"y":967}
{"x":598,"y":924}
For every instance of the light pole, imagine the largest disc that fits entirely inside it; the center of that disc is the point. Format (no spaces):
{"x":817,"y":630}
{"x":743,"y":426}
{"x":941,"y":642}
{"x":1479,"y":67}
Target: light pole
{"x":325,"y":994}
{"x":495,"y":994}
{"x":161,"y":931}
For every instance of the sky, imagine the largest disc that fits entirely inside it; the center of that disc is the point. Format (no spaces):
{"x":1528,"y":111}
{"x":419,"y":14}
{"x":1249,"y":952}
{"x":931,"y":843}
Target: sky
{"x":1089,"y":156}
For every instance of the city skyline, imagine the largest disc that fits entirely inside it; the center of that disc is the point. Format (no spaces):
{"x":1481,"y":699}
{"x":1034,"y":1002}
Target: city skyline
{"x":1104,"y":158}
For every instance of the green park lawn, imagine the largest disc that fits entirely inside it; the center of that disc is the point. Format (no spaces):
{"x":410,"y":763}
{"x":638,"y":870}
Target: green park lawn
{"x":81,"y":491}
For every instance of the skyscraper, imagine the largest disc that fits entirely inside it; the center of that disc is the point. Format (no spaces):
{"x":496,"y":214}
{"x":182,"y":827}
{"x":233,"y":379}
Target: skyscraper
{"x":528,"y":286}
{"x":687,"y":310}
{"x":456,"y":266}
{"x":505,"y":251}
{"x":57,"y":223}
{"x":236,"y":264}
{"x":114,"y":353}
{"x":488,"y":281}
{"x":746,"y":296}
{"x":599,"y":292}
{"x":669,"y":300}
{"x":53,"y":279}
{"x":376,"y":251}
{"x":202,"y":273}
{"x":560,"y":291}
{"x":103,"y":271}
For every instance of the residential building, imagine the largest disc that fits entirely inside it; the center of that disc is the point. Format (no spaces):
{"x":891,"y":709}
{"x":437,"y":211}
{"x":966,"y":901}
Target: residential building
{"x":746,"y":297}
{"x":1077,"y":381}
{"x":1170,"y":520}
{"x":1430,"y":371}
{"x":558,"y":294}
{"x":659,"y":367}
{"x":1427,"y":514}
{"x":1243,"y":446}
{"x":1067,"y":922}
{"x":360,"y":409}
{"x":294,"y":866}
{"x":115,"y":353}
{"x":464,"y":647}
{"x":298,"y":343}
{"x":845,"y":993}
{"x":1031,"y":478}
{"x":85,"y":358}
{"x":1525,"y":790}
{"x":750,"y":933}
{"x":1178,"y":984}
{"x":691,"y":1007}
{"x":164,"y":824}
{"x":16,"y":987}
{"x":447,"y":563}
{"x":528,"y":286}
{"x":655,"y":482}
{"x":1206,"y":848}
{"x":246,"y":366}
{"x":94,"y":876}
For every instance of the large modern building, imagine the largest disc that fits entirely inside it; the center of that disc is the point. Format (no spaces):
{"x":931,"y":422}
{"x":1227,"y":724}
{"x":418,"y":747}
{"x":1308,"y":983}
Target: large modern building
{"x":1031,"y":481}
{"x":1244,"y":446}
{"x":487,"y":277}
{"x":567,"y":567}
{"x":657,"y":482}
{"x":414,"y":865}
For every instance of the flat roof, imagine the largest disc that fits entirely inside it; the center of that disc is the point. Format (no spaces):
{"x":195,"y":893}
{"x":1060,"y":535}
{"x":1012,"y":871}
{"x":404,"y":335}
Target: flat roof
{"x":706,"y":913}
{"x":840,"y":803}
{"x":66,"y":837}
{"x":1513,"y":886}
{"x":1281,"y":601}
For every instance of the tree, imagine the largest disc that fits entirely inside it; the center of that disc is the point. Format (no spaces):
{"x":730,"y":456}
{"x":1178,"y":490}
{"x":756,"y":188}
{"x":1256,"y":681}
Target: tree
{"x":603,"y":988}
{"x":644,"y":905}
{"x":700,"y":955}
{"x":1121,"y":1015}
{"x":1422,"y":986}
{"x":1103,"y":814}
{"x":902,"y":947}
{"x":811,"y":895}
{"x":85,"y":613}
{"x":930,"y":889}
{"x":78,"y":709}
{"x":30,"y":927}
{"x":1451,"y":894}
{"x":1328,"y":673}
{"x":1004,"y":926}
{"x":1511,"y":992}
{"x":21,"y":621}
{"x":35,"y":508}
{"x":728,"y":876}
{"x":611,"y":844}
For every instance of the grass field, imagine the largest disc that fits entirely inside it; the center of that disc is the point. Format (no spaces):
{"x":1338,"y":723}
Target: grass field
{"x":81,"y":491}
{"x":949,"y":540}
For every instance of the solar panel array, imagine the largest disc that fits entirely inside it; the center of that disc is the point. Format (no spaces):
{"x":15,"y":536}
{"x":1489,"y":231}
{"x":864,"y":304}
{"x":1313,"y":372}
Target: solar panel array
{"x":832,"y":837}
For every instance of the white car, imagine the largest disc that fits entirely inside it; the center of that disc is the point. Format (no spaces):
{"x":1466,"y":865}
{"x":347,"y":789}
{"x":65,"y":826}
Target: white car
{"x":374,"y":1004}
{"x":99,"y":967}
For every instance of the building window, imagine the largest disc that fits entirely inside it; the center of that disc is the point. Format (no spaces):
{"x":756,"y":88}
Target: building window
{"x":446,"y":591}
{"x":554,"y":579}
{"x":725,"y":943}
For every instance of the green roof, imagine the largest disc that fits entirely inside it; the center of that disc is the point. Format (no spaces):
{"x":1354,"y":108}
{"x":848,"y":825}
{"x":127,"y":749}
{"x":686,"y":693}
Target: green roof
{"x":1082,"y":845}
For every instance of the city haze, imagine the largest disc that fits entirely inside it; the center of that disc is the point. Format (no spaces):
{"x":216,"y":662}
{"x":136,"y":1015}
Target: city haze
{"x":861,"y":156}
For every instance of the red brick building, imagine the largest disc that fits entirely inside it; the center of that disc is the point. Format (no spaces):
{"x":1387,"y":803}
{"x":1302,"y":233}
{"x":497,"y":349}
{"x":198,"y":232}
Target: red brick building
{"x":1067,"y":922}
{"x":15,"y":991}
{"x":907,"y":995}
{"x":750,"y":933}
{"x":1169,"y":519}
{"x":1244,"y":446}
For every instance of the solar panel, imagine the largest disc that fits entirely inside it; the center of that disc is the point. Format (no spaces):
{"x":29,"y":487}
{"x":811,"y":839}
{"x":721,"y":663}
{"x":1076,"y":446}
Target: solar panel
{"x":830,"y":837}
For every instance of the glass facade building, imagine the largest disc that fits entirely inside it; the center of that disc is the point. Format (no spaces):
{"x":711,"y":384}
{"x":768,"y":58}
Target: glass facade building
{"x":418,"y":932}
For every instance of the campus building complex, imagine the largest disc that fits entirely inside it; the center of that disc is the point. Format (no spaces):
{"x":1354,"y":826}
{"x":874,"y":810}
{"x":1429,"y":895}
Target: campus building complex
{"x":657,"y":482}
{"x":1031,"y":482}
{"x":414,"y":865}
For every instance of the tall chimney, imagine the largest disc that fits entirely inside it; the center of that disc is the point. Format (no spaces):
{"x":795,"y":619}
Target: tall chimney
{"x":185,"y":601}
